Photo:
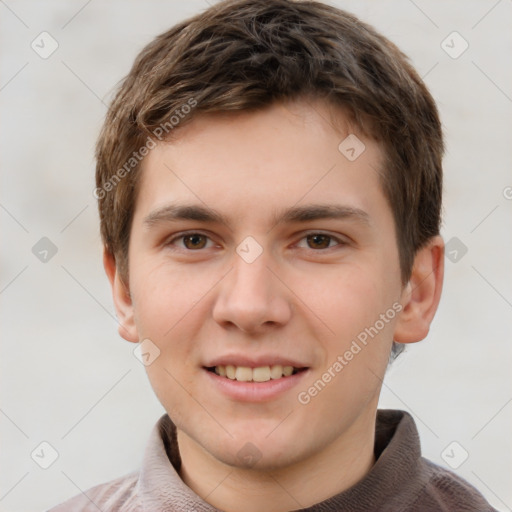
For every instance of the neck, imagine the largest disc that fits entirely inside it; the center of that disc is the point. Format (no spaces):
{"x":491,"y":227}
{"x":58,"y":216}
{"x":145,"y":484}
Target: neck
{"x":340,"y":465}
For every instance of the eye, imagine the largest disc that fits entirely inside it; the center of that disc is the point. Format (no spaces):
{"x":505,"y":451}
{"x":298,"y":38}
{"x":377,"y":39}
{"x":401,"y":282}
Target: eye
{"x":319,"y":241}
{"x":191,"y":241}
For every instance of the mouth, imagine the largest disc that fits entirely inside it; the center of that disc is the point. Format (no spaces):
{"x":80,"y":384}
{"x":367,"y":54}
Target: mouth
{"x":257,"y":374}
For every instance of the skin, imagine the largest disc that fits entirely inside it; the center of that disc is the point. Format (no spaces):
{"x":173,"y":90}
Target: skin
{"x":305,"y":298}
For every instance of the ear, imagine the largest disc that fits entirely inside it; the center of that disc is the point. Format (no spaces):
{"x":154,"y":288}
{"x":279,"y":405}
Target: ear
{"x":122,"y":300}
{"x":421,"y":295}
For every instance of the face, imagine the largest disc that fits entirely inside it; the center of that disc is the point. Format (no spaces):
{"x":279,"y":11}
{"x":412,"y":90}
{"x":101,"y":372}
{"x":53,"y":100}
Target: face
{"x":259,"y":249}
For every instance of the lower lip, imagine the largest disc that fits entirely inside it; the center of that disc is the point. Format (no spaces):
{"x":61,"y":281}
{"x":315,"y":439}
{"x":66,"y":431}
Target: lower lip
{"x":255,"y":391}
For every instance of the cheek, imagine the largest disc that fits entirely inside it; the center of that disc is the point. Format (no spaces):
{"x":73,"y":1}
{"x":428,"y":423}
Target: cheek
{"x":165,"y":298}
{"x":347,"y":299}
{"x":357,"y":306}
{"x":169,"y":308}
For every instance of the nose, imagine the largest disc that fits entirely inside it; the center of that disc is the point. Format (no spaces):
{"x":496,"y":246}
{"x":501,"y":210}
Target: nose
{"x":251,"y":298}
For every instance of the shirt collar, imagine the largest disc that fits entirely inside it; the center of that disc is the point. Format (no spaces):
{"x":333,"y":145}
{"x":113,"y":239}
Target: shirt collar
{"x":397,"y":450}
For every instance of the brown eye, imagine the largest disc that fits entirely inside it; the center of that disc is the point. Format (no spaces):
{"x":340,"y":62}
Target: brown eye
{"x":194,"y":241}
{"x":318,"y":241}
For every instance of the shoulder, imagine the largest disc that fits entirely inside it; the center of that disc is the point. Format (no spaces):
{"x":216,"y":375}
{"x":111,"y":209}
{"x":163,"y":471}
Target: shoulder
{"x":116,"y":495}
{"x":444,"y":490}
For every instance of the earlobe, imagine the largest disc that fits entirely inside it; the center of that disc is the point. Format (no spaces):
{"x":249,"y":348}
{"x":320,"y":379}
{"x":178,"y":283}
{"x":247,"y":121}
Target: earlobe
{"x":122,"y":300}
{"x":421,"y":295}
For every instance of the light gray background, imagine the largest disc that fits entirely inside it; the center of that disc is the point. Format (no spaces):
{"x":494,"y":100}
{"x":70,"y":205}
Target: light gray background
{"x":67,"y":377}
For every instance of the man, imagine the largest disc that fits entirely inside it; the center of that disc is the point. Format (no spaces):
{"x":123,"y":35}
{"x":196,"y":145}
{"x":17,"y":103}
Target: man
{"x":269,"y":181}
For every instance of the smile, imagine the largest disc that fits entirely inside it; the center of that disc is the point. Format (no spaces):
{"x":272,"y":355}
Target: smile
{"x":258,"y":374}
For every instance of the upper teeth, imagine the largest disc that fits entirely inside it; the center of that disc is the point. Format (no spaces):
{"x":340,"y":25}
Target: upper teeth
{"x":259,"y":374}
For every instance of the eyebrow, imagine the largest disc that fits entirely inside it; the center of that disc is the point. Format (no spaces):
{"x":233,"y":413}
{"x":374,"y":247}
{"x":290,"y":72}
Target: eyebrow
{"x":322,"y":211}
{"x":200,"y":213}
{"x":173,"y":212}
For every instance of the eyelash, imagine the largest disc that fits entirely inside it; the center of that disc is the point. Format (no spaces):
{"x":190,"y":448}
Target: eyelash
{"x":338,"y":241}
{"x":183,"y":235}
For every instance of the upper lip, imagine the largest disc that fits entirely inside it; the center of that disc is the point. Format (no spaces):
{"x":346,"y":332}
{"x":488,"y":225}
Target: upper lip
{"x":254,"y":361}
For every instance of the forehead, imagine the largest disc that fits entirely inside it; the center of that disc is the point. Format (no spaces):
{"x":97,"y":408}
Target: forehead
{"x":248,"y":162}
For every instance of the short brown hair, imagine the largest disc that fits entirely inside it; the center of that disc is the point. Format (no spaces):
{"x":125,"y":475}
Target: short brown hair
{"x":247,"y":54}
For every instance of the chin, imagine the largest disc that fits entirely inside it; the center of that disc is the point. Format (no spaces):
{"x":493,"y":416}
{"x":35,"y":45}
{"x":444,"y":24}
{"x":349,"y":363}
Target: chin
{"x":258,"y":451}
{"x":251,"y":458}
